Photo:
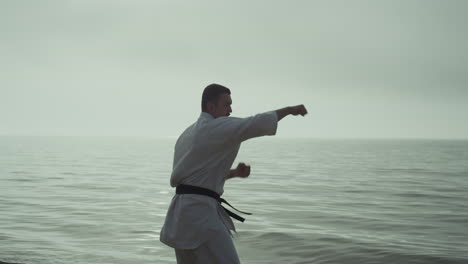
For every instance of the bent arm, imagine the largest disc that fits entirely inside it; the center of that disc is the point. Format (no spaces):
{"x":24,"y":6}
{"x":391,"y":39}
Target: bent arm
{"x":242,"y":171}
{"x":232,"y":174}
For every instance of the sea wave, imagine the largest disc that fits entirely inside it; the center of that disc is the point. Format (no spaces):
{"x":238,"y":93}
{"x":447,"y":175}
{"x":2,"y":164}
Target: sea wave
{"x":302,"y":249}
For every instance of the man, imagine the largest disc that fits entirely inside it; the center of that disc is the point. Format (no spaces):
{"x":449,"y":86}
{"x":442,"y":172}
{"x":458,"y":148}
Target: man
{"x":197,"y":226}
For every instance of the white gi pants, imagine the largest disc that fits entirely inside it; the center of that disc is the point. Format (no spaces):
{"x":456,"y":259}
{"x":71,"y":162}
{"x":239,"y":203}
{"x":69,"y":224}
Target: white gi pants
{"x":218,"y":250}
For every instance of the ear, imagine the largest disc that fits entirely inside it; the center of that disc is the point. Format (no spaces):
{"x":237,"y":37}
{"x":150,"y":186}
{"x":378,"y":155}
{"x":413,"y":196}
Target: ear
{"x":210,"y":106}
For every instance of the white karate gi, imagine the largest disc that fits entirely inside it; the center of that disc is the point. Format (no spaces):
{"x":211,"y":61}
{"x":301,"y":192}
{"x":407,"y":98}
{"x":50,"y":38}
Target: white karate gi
{"x":197,"y":226}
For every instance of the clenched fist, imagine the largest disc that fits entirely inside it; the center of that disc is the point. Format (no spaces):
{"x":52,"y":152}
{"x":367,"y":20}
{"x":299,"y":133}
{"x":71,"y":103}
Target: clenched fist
{"x":298,"y":110}
{"x":242,"y":170}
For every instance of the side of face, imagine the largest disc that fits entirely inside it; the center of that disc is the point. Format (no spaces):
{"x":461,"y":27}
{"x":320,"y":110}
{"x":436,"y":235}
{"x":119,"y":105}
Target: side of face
{"x":222,"y":107}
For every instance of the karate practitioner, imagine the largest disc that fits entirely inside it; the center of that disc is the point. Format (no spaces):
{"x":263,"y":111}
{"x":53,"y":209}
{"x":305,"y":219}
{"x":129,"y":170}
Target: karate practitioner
{"x":197,"y":226}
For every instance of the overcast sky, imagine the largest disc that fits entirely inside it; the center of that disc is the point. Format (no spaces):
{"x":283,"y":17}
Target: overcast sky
{"x":393,"y":69}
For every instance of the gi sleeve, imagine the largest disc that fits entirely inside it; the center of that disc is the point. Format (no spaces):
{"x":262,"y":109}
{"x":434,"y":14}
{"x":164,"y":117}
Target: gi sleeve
{"x":241,"y":129}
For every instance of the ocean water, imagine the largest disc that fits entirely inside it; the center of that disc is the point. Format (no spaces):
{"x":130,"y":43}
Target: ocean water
{"x":103,"y":200}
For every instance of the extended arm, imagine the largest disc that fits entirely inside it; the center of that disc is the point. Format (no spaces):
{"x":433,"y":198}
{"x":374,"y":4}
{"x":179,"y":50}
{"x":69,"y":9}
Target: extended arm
{"x":291,"y":110}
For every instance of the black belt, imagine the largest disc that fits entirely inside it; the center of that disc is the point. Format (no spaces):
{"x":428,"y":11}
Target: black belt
{"x":189,"y":189}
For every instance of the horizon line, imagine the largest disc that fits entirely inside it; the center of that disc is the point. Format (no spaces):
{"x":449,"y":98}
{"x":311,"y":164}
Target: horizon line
{"x":266,"y":137}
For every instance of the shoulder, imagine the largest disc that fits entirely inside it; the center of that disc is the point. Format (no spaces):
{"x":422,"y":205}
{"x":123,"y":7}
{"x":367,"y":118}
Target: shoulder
{"x":224,"y":121}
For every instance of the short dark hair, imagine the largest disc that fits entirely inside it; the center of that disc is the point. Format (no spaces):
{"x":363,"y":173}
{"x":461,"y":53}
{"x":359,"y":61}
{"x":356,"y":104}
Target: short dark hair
{"x":212,"y":93}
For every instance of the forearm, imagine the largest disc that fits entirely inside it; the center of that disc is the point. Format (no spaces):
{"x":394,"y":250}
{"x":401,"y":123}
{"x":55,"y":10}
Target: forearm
{"x":291,"y":110}
{"x":232,"y":174}
{"x":283,"y":112}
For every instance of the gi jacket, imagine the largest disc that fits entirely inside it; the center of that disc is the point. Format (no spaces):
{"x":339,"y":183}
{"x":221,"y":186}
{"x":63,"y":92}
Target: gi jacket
{"x":203,"y":157}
